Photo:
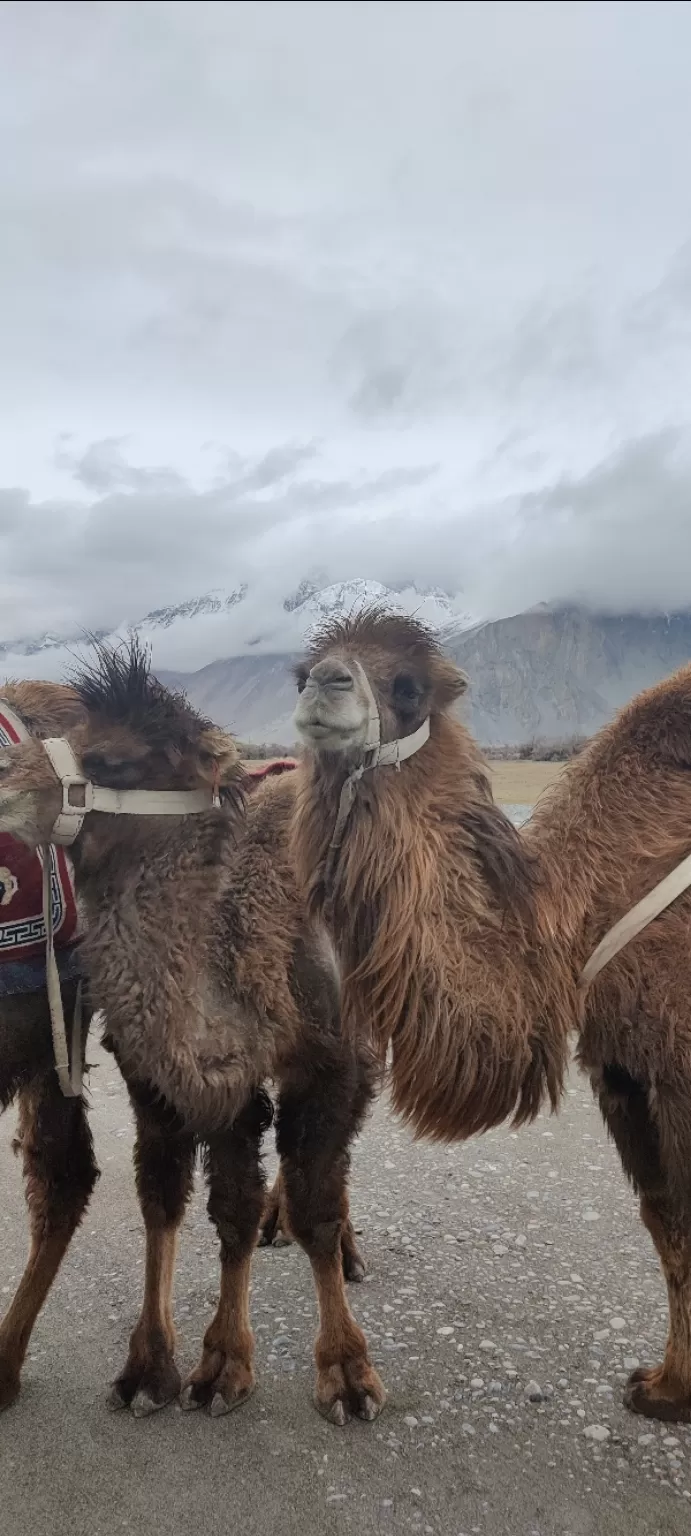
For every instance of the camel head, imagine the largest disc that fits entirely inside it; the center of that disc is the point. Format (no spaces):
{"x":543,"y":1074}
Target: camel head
{"x":126,"y":732}
{"x":374,"y":660}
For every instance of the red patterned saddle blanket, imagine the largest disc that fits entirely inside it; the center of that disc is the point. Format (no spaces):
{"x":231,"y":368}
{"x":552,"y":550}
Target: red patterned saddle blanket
{"x":22,"y":929}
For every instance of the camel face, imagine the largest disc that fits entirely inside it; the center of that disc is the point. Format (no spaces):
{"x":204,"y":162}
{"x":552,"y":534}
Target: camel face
{"x":126,"y":732}
{"x":333,"y":708}
{"x":373,"y":663}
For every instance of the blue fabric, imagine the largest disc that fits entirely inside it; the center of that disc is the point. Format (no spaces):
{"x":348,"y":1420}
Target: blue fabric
{"x":17,"y":977}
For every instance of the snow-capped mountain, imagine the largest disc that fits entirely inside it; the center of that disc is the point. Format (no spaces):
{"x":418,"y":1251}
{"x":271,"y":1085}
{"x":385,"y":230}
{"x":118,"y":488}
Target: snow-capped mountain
{"x":549,"y":672}
{"x":222,"y":624}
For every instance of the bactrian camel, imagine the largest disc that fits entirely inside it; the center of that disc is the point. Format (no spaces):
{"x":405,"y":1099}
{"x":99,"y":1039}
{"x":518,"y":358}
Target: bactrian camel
{"x":213,"y":984}
{"x":462,"y":942}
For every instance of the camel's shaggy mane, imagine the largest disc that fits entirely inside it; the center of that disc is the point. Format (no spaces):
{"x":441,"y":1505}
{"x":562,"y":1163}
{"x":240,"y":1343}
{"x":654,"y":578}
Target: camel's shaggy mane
{"x":118,"y":684}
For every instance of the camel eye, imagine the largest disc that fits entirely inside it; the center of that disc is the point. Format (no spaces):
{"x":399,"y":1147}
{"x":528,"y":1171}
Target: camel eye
{"x":405,"y":689}
{"x":301,"y":679}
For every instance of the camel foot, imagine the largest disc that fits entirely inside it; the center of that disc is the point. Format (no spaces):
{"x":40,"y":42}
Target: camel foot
{"x":219,"y":1384}
{"x":145,"y":1388}
{"x":354,"y":1266}
{"x":9,"y":1385}
{"x":347,"y":1389}
{"x":657,"y":1395}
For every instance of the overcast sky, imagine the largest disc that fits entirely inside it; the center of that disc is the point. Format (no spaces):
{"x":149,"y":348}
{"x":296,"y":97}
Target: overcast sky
{"x":391,"y":290}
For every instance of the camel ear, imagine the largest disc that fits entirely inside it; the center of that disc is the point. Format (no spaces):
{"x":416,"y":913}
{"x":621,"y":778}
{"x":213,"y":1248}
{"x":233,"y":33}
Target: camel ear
{"x":218,"y":750}
{"x":449,"y":685}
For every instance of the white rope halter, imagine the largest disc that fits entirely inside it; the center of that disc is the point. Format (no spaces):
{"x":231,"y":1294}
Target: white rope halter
{"x":67,"y":826}
{"x":376,"y":754}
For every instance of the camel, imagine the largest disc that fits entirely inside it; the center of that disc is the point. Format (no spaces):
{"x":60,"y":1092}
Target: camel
{"x":53,"y":1134}
{"x":463,"y":942}
{"x":213,"y":983}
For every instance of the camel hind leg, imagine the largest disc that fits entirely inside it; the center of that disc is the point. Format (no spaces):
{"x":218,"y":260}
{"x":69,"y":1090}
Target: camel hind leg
{"x":664,"y":1391}
{"x":60,"y":1173}
{"x":275,"y":1232}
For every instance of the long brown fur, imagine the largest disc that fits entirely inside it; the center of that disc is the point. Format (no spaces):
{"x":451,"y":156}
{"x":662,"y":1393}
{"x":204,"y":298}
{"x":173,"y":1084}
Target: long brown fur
{"x":463,"y":942}
{"x":433,"y":897}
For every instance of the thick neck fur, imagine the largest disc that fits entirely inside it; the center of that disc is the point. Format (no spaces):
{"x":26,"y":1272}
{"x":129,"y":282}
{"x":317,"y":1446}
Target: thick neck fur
{"x":433,"y":905}
{"x":152,"y":892}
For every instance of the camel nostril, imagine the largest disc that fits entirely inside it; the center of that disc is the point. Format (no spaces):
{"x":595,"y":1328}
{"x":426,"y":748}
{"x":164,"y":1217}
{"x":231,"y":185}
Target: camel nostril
{"x":332,"y":674}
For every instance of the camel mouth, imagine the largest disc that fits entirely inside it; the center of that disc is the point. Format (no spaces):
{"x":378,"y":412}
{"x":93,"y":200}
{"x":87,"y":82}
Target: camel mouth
{"x":334,"y":734}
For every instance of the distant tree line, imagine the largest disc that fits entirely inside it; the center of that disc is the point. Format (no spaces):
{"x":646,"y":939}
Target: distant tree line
{"x":265,"y":751}
{"x":542,"y":749}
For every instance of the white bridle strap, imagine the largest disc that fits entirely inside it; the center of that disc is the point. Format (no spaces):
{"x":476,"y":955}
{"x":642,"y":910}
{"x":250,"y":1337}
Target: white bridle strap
{"x":80,"y":796}
{"x":69,"y":1077}
{"x":376,"y":754}
{"x":637,"y":919}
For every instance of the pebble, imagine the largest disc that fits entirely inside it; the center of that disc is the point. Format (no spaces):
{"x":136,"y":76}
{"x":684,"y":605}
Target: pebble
{"x":487,"y":1346}
{"x":597,"y":1432}
{"x":410,"y":1420}
{"x":591,"y":1215}
{"x":445,"y":1332}
{"x":617,"y":1323}
{"x":534,"y":1392}
{"x":476,"y":1383}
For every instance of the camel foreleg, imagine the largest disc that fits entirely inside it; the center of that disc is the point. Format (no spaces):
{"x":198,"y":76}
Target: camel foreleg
{"x":224,"y":1377}
{"x":164,"y":1166}
{"x":317,"y":1119}
{"x":663,"y":1391}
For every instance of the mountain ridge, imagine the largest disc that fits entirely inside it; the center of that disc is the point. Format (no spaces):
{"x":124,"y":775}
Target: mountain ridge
{"x":551,"y":671}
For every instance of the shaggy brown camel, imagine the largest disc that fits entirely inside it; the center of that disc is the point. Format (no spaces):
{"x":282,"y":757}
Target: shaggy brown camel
{"x":53,"y":1136}
{"x":212,"y":982}
{"x":464,"y":942}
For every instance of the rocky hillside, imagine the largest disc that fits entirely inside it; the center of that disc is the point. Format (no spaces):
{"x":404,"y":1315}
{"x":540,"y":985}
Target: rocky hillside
{"x":549,"y":672}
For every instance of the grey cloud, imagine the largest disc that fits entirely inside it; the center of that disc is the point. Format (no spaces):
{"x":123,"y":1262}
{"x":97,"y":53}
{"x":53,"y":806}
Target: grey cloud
{"x":435,"y":295}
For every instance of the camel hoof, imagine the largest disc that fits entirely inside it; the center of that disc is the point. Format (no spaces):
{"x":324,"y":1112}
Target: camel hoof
{"x":188,"y":1401}
{"x":221,"y":1405}
{"x":369,"y":1409}
{"x":354,"y":1271}
{"x":143,"y":1406}
{"x":115,"y":1401}
{"x":9,"y":1388}
{"x":336,"y":1413}
{"x":653,"y":1395}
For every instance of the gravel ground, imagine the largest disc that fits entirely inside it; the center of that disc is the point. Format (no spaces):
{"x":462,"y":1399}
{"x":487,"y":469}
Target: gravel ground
{"x":511,"y":1290}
